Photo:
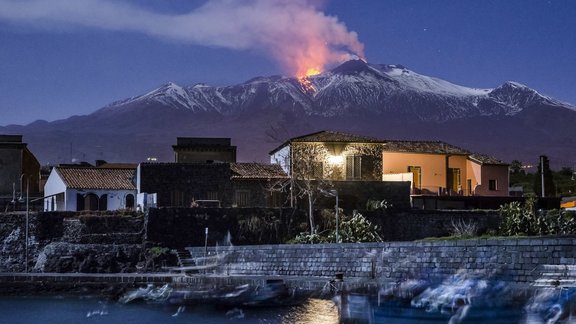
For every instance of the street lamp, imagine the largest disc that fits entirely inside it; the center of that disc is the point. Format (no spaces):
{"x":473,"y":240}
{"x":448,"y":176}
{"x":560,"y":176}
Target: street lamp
{"x":27,"y":214}
{"x":335,"y":192}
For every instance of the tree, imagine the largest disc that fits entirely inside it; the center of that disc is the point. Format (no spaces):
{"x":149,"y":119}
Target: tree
{"x":516,"y":167}
{"x":315,"y":165}
{"x":309,"y":175}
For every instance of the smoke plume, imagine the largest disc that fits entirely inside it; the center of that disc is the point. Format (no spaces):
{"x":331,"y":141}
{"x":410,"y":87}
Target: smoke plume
{"x":296,"y":33}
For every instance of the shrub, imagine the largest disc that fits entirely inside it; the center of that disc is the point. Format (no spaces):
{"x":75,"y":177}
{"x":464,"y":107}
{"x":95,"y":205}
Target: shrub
{"x":372,"y":205}
{"x":353,"y":229}
{"x":463,"y":229}
{"x":524,"y":219}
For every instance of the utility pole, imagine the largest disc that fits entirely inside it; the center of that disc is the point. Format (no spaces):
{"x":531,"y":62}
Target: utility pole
{"x":542,"y":174}
{"x":27,"y":217}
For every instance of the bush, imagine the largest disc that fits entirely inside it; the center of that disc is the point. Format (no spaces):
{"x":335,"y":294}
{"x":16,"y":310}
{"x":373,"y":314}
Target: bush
{"x":353,"y":229}
{"x":524,"y":219}
{"x":463,"y":229}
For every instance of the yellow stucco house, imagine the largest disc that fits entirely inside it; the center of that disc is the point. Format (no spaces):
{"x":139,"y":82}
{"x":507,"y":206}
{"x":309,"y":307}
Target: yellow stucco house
{"x":432,"y":167}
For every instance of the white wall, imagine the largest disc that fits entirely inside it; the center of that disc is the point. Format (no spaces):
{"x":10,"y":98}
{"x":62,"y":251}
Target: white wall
{"x":282,"y":157}
{"x":54,"y":185}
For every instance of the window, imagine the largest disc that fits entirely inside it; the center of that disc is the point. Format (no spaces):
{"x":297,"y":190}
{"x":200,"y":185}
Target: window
{"x":454,"y":183}
{"x":492,"y":185}
{"x":242,"y":198}
{"x":353,"y":167}
{"x":417,"y":176}
{"x":317,"y":170}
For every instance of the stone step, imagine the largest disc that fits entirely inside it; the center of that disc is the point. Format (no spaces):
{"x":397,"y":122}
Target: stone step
{"x":556,"y":275}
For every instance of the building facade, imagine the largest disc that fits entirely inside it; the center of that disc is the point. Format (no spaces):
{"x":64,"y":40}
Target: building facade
{"x":432,"y":167}
{"x":202,"y":149}
{"x":78,"y":188}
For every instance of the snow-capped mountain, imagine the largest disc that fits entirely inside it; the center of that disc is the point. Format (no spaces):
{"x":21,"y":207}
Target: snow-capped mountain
{"x":510,"y":121}
{"x":351,"y":88}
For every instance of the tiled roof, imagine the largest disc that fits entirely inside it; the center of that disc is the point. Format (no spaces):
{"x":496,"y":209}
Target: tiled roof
{"x":486,"y":159}
{"x":257,"y":171}
{"x":433,"y":147}
{"x":331,"y":136}
{"x":118,"y":166}
{"x":437,"y":147}
{"x":97,"y":178}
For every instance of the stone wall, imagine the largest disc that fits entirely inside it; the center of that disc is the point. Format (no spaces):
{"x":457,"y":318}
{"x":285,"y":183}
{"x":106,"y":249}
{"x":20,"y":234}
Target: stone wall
{"x":518,"y":260}
{"x":182,"y":227}
{"x":418,"y":224}
{"x":355,"y":194}
{"x":94,"y":241}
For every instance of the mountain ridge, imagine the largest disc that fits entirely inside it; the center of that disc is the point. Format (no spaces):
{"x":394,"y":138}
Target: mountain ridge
{"x":383,"y":100}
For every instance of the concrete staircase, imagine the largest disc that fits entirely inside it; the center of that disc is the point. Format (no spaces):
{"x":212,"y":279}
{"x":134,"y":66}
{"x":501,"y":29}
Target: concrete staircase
{"x":556,"y":275}
{"x":184,"y":258}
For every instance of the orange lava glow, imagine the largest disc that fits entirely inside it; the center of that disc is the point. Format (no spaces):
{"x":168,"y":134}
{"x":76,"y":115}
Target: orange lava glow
{"x":313,"y":71}
{"x":306,"y":84}
{"x":312,"y":58}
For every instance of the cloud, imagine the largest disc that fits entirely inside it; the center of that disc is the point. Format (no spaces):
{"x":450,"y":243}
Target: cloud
{"x":295,"y":32}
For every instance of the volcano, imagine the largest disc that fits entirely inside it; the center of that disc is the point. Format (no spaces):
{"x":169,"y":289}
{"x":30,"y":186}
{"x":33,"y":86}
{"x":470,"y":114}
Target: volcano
{"x":511,"y":121}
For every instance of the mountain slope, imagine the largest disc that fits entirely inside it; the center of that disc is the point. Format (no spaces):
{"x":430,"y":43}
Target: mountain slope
{"x":511,"y":121}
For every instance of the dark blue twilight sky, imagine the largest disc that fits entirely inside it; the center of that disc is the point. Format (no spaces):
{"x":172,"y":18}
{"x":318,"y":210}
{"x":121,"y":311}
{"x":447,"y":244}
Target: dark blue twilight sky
{"x":60,"y":58}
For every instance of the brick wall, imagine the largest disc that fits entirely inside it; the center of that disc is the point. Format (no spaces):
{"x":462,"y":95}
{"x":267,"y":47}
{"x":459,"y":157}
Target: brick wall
{"x":517,"y":259}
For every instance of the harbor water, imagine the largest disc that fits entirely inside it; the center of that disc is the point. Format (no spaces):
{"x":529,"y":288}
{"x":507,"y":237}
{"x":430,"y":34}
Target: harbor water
{"x":70,"y":310}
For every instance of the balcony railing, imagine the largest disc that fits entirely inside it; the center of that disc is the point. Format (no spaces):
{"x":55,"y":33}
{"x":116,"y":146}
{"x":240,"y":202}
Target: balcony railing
{"x":440,"y":191}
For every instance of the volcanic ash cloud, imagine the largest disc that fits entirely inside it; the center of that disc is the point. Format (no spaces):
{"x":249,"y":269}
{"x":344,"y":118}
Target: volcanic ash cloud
{"x":296,"y":33}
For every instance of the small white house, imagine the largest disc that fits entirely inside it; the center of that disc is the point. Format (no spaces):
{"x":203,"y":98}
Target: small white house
{"x":75,"y":188}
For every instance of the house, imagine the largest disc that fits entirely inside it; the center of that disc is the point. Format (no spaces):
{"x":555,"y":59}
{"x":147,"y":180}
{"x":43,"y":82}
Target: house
{"x":77,"y":188}
{"x":211,"y":184}
{"x":205,"y":174}
{"x":202,"y":149}
{"x":181,"y":184}
{"x":330,"y":155}
{"x":19,"y":169}
{"x":432,"y":167}
{"x":438,"y":168}
{"x":258,"y":184}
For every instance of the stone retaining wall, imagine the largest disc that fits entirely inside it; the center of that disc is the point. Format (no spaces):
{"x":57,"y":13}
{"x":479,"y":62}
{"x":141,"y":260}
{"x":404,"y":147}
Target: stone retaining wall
{"x":519,"y":260}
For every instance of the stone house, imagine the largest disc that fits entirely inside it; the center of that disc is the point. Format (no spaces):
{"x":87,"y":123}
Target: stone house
{"x":181,"y":184}
{"x":77,"y":188}
{"x":258,"y":185}
{"x":432,"y":167}
{"x":18,"y":169}
{"x":203,"y":149}
{"x":211,"y":184}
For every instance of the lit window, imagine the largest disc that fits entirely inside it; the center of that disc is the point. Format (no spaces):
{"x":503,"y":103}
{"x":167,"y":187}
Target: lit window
{"x":317,"y":170}
{"x":353,"y":167}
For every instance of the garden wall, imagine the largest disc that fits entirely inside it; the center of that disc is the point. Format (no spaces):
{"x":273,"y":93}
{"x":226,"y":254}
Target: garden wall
{"x":517,"y":260}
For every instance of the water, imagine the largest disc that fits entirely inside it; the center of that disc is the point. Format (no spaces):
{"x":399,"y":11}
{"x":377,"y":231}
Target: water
{"x":69,"y":310}
{"x":465,"y":297}
{"x":547,"y":305}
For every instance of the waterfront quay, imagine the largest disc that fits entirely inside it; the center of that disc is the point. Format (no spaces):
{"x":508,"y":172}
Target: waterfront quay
{"x":116,"y":283}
